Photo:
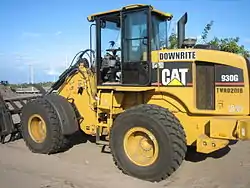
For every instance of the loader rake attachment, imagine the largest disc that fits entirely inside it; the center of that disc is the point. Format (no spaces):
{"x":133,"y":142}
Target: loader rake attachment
{"x":10,"y":111}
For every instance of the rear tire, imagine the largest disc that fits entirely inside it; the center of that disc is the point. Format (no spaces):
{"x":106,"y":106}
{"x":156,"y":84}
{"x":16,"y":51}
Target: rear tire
{"x":170,"y":139}
{"x":54,"y":141}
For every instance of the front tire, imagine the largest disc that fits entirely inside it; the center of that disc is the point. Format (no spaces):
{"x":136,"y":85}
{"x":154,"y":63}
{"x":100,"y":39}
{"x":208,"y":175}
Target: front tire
{"x":41,"y":129}
{"x":148,"y":130}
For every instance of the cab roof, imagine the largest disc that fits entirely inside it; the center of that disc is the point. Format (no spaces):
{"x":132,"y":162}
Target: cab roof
{"x":167,"y":16}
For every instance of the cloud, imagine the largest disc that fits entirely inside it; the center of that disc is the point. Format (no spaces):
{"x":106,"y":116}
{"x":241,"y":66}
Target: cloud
{"x":58,"y":33}
{"x":22,"y":58}
{"x":52,"y":72}
{"x":46,"y":67}
{"x":31,"y":34}
{"x":53,"y":69}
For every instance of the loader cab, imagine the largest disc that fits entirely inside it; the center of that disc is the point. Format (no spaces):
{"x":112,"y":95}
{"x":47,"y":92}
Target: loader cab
{"x":124,"y":41}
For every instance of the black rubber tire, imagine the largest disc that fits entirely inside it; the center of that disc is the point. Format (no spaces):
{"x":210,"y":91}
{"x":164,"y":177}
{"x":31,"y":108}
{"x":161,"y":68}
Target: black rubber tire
{"x":55,"y":141}
{"x":168,"y":132}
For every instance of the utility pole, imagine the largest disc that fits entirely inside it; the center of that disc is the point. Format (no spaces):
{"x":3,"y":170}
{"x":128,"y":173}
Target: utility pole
{"x":31,"y":73}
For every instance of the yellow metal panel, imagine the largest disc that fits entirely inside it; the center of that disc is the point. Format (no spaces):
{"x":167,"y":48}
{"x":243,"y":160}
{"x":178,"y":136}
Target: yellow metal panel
{"x":226,"y":103}
{"x":164,"y":14}
{"x":166,"y":101}
{"x":193,"y":126}
{"x":208,"y":145}
{"x":230,"y":127}
{"x":132,"y":99}
{"x":106,"y":100}
{"x":167,"y":15}
{"x":243,"y":129}
{"x":232,"y":103}
{"x":204,"y":55}
{"x":126,"y":88}
{"x":84,"y":102}
{"x":222,"y":128}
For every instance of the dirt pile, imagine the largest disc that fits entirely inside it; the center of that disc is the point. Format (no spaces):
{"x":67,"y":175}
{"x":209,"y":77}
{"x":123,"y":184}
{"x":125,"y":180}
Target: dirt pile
{"x":6,"y":92}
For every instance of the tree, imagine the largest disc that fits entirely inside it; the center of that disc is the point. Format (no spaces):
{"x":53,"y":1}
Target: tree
{"x":230,"y":45}
{"x":224,"y":44}
{"x":206,"y":30}
{"x":172,"y":41}
{"x":26,"y":85}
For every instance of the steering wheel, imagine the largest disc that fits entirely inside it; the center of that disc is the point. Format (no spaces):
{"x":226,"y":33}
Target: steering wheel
{"x":80,"y":57}
{"x":114,"y":51}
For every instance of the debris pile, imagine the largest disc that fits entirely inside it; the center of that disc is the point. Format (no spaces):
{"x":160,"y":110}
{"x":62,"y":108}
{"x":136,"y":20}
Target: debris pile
{"x":7,"y":92}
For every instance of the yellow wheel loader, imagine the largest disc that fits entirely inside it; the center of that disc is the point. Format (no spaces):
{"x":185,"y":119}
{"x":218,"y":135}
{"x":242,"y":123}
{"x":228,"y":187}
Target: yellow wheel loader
{"x":146,"y":102}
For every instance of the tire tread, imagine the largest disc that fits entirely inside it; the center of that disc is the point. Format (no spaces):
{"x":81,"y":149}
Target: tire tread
{"x":59,"y":141}
{"x":171,"y":127}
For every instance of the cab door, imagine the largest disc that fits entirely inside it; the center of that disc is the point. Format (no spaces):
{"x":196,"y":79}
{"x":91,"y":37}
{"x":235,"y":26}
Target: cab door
{"x":136,"y":47}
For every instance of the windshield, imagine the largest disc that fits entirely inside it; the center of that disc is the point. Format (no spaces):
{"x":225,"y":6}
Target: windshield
{"x":159,"y":33}
{"x":135,"y":43}
{"x":110,"y":37}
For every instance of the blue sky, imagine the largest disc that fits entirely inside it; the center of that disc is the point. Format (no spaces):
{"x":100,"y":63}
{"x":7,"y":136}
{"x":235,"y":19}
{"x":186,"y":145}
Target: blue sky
{"x":43,"y":33}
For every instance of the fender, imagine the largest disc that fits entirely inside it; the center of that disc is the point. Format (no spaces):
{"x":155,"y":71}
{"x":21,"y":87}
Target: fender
{"x":65,"y":112}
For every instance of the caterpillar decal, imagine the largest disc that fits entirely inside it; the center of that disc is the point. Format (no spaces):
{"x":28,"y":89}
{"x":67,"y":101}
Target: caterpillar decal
{"x":173,"y":74}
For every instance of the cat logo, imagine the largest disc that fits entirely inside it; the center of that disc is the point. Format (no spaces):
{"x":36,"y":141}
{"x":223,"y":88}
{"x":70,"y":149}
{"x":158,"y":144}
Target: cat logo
{"x":174,"y":77}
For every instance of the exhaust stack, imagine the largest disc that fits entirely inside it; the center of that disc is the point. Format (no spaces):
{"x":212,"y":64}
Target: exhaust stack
{"x":181,"y":30}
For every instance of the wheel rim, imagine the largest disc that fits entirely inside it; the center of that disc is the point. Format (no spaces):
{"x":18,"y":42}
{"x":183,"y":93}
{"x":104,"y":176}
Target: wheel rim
{"x":37,"y":128}
{"x":141,"y":146}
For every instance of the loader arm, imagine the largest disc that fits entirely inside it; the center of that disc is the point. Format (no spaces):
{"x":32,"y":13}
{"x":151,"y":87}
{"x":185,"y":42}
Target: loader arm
{"x":71,"y":70}
{"x":80,"y":90}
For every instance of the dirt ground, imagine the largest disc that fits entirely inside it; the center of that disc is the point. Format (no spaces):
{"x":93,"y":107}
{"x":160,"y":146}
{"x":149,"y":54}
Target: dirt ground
{"x":86,"y":166}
